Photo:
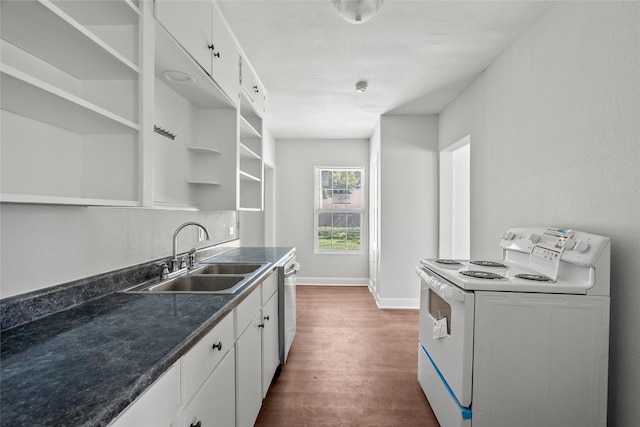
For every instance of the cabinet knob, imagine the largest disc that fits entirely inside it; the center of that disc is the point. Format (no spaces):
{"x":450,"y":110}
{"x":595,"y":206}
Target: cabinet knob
{"x":198,"y":424}
{"x":266,"y":317}
{"x":212,"y":47}
{"x":261,"y":325}
{"x":255,"y":89}
{"x":218,"y":346}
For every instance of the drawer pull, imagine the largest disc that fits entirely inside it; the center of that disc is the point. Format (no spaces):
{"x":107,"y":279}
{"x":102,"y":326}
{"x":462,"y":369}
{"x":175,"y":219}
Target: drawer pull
{"x":218,"y":346}
{"x":198,"y":424}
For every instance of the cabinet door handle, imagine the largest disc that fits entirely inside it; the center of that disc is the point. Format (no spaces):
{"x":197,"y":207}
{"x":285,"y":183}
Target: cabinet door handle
{"x":212,"y":47}
{"x":218,"y":346}
{"x":198,"y":424}
{"x":266,"y":317}
{"x":255,"y":89}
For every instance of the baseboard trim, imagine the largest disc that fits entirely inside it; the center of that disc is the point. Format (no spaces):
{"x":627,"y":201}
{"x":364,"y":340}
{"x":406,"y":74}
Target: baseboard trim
{"x":332,"y":281}
{"x":402,"y":303}
{"x":394,"y":303}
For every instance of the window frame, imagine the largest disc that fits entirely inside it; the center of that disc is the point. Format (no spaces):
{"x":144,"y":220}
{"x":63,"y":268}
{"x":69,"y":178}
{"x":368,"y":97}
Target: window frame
{"x":318,"y":209}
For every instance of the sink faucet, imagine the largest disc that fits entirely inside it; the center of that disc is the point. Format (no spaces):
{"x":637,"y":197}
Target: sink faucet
{"x":175,"y":264}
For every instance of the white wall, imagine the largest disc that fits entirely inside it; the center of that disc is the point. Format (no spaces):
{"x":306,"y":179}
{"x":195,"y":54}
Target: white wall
{"x":296,"y":160}
{"x":408,"y":205}
{"x":556,"y":141}
{"x":44,"y":245}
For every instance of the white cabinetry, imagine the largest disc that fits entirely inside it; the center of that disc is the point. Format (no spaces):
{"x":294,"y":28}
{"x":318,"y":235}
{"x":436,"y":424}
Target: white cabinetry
{"x":196,"y":165}
{"x":251,"y":164}
{"x":248,"y":360}
{"x":83,"y":83}
{"x":208,"y":378}
{"x":70,"y":102}
{"x":257,"y":355}
{"x":201,"y":30}
{"x":270,"y":349}
{"x":158,"y":406}
{"x":252,"y":86}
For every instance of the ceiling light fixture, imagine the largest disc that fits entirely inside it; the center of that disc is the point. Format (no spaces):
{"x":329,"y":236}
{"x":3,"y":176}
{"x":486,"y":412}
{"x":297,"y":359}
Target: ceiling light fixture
{"x":179,"y":77}
{"x":361,"y":86}
{"x":357,"y":11}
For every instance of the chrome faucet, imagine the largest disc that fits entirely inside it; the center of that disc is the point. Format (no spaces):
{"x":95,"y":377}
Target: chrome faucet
{"x":176,"y":265}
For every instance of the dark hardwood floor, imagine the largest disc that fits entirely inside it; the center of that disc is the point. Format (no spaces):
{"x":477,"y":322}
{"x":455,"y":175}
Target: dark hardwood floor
{"x":351,"y":364}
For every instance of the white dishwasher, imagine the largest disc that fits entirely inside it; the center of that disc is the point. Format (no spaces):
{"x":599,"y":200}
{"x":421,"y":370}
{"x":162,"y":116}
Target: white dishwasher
{"x":287,"y":305}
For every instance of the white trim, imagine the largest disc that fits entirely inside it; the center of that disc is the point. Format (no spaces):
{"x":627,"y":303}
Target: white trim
{"x":397,"y":303}
{"x":332,"y":281}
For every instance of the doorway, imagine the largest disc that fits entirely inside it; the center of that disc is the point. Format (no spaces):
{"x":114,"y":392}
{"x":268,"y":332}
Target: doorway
{"x":455,"y":200}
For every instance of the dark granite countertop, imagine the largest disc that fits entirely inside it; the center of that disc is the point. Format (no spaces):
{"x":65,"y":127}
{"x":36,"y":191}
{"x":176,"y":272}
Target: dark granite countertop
{"x":84,"y":365}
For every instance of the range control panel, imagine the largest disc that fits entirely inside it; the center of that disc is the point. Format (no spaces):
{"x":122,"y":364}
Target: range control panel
{"x":576,"y":247}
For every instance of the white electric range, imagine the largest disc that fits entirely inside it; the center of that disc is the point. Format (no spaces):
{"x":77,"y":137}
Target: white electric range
{"x":520,"y":341}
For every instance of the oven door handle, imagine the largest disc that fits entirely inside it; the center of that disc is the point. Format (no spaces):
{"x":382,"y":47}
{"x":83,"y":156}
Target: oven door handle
{"x":445,"y":290}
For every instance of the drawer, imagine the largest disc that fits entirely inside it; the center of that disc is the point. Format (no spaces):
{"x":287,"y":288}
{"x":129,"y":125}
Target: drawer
{"x":202,"y":359}
{"x":247,"y":310}
{"x":269,"y":287}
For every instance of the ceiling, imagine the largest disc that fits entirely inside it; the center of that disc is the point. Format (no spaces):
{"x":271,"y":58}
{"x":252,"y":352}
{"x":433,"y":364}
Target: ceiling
{"x":415,"y":55}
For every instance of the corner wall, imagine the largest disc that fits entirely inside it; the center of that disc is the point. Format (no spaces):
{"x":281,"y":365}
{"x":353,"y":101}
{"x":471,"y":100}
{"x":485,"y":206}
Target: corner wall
{"x":408,"y":205}
{"x":555,"y":131}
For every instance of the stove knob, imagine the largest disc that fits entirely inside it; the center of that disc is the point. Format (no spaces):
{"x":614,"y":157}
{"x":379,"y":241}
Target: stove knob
{"x":569,"y":244}
{"x":509,"y":235}
{"x":534,"y":238}
{"x":581,"y":246}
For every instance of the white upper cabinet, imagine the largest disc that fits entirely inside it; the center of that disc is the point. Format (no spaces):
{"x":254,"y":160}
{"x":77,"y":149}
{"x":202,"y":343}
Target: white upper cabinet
{"x":252,"y":87}
{"x":226,"y":58}
{"x":201,"y":30}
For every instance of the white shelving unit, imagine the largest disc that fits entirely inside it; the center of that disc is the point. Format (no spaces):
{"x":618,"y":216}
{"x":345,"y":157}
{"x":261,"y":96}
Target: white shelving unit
{"x":251,"y":167}
{"x":195,"y":169}
{"x":84,"y":83}
{"x":70,"y":104}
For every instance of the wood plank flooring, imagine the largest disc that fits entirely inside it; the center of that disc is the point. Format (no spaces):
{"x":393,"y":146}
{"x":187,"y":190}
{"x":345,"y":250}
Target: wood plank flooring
{"x":351,"y":364}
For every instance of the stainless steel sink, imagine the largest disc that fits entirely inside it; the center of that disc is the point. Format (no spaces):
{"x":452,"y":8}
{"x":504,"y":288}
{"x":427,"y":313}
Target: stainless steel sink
{"x":196,"y":283}
{"x":214,"y":278}
{"x":228,"y":268}
{"x":209,"y":283}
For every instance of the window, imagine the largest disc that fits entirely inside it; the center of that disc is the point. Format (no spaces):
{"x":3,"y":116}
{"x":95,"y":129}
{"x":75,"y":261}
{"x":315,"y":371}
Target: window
{"x":339,"y":202}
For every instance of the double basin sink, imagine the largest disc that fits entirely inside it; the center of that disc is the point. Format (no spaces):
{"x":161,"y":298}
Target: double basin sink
{"x":217,"y":278}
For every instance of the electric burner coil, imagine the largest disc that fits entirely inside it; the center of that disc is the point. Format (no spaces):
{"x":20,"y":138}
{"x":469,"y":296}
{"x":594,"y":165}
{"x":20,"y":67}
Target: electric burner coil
{"x":489,"y":264}
{"x":482,"y":275}
{"x":534,"y":277}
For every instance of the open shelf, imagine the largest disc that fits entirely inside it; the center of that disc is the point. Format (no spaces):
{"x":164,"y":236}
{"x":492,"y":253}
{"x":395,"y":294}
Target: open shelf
{"x":247,"y":130}
{"x":101,"y":12}
{"x":56,"y":200}
{"x":247,"y":153}
{"x":205,"y":150}
{"x":74,"y":49}
{"x":244,"y":176}
{"x":30,"y":97}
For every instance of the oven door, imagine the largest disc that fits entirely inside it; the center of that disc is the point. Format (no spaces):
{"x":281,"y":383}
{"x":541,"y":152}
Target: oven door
{"x":446,"y":334}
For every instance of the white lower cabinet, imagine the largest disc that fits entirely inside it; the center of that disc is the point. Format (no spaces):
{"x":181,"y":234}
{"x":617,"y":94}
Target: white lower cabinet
{"x":214,"y":404}
{"x":248,"y":359}
{"x":158,"y":406}
{"x":222,"y":380}
{"x":270,"y":350}
{"x":257,"y":355}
